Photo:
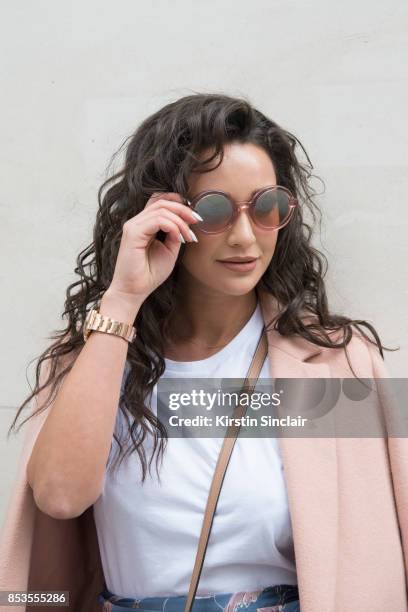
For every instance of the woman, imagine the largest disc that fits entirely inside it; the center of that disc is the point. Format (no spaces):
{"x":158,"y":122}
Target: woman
{"x":313,"y":540}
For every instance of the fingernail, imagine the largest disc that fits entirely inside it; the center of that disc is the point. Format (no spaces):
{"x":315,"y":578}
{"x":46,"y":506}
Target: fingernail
{"x":194,"y":237}
{"x":181,"y":237}
{"x":196,"y":215}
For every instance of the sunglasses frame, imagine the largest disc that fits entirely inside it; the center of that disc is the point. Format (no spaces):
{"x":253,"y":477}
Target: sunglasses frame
{"x":244,"y":204}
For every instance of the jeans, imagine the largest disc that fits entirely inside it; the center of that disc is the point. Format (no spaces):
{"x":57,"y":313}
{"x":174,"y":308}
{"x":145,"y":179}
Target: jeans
{"x":278,"y":598}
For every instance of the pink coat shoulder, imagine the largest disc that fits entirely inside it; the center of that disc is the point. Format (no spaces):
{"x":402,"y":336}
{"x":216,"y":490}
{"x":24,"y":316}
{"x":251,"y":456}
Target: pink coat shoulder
{"x":364,"y":357}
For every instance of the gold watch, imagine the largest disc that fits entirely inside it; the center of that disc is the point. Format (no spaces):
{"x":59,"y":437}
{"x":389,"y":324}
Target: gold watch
{"x":95,"y":321}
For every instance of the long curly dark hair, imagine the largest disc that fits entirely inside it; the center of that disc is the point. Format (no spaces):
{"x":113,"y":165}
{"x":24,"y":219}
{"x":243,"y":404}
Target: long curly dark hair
{"x":160,"y":155}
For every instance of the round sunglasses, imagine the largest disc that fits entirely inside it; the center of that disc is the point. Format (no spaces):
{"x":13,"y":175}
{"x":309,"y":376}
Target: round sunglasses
{"x":270,"y":208}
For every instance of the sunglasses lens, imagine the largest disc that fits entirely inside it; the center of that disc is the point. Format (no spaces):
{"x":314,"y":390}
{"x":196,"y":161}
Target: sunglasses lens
{"x":272,"y":208}
{"x":216,"y":210}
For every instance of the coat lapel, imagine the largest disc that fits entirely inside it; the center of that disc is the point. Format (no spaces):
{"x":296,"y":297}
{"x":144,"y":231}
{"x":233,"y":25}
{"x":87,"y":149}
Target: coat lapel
{"x":310,"y":467}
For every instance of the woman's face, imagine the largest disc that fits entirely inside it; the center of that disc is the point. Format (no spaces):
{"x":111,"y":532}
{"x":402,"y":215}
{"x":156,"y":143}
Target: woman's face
{"x":244,"y":169}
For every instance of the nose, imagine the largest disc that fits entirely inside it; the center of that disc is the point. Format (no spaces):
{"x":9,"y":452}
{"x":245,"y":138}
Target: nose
{"x":242,"y":230}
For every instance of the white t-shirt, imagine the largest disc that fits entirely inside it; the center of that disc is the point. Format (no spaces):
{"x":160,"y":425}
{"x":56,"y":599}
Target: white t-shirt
{"x":148,"y":534}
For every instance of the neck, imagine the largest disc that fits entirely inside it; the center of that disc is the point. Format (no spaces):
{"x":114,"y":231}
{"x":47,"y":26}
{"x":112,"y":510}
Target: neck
{"x":210,"y":319}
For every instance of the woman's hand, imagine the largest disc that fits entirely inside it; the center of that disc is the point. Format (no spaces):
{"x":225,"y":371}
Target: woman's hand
{"x":143,"y":262}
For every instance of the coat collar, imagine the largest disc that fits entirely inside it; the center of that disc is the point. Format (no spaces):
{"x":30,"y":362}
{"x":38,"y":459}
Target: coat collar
{"x":295,"y":352}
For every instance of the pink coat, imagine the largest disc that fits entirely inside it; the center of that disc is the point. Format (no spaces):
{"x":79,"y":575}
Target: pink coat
{"x":348,"y":499}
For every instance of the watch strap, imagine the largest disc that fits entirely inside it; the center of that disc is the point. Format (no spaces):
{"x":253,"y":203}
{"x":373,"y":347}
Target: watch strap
{"x":95,"y":321}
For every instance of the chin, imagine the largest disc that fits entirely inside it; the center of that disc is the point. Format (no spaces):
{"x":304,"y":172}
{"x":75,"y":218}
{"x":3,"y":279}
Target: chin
{"x":238,"y":288}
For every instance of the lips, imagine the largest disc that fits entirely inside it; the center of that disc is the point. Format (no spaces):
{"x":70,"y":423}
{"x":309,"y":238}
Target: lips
{"x":248,"y":260}
{"x":241,"y":266}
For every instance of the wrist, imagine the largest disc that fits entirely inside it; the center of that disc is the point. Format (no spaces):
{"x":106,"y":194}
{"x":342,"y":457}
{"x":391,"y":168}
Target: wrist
{"x":119,"y":307}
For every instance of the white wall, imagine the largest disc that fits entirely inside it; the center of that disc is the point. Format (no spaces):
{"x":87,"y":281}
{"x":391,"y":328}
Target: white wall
{"x":78,"y":77}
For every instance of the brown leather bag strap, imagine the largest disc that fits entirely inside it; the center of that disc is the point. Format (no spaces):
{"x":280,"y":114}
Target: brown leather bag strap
{"x":221,"y":467}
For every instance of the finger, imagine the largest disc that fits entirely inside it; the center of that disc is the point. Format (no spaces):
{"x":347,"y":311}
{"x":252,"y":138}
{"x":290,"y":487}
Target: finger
{"x":172,"y":232}
{"x":182,"y":225}
{"x":148,"y":227}
{"x":181,"y":209}
{"x":165,"y":195}
{"x":173,"y":243}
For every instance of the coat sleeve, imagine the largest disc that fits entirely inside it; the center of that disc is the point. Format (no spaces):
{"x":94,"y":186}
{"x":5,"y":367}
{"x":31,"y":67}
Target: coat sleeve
{"x":392,"y":407}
